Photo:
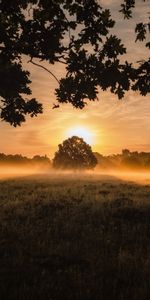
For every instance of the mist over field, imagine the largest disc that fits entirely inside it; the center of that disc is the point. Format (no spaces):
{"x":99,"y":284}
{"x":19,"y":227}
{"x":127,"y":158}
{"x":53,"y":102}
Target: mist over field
{"x":10,"y":171}
{"x":73,"y":227}
{"x":74,"y":230}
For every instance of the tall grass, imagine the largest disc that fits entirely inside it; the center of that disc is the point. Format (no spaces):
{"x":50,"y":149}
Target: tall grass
{"x":74,"y":238}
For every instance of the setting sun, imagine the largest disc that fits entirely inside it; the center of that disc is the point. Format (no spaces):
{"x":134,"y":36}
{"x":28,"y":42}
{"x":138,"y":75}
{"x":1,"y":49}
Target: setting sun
{"x":81,"y":132}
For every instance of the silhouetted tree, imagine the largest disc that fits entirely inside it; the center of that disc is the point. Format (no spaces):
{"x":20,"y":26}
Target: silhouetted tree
{"x":74,"y":153}
{"x":40,"y":159}
{"x":59,"y":31}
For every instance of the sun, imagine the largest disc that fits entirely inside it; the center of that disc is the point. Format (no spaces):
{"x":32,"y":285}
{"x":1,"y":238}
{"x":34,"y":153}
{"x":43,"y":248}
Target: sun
{"x":81,"y":132}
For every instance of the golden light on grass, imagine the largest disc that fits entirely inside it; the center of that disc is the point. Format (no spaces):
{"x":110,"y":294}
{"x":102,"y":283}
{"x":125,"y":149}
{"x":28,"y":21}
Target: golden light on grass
{"x":82,"y":132}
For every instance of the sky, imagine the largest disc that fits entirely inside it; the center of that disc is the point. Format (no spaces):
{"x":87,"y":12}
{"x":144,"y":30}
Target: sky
{"x":109,"y":124}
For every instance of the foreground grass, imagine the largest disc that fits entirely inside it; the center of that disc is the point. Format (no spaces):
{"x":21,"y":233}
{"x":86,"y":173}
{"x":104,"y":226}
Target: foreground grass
{"x":74,"y":239}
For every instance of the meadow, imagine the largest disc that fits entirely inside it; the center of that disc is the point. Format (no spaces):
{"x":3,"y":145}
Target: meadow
{"x":74,"y":237}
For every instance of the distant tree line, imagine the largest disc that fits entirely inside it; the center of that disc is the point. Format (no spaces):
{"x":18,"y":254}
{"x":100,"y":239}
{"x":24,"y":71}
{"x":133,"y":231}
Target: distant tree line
{"x":18,"y":159}
{"x":127,"y":159}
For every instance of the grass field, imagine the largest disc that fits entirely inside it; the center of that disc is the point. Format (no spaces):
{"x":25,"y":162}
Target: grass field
{"x":74,"y":238}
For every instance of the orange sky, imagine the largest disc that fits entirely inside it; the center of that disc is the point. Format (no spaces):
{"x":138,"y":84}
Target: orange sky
{"x":112,"y":124}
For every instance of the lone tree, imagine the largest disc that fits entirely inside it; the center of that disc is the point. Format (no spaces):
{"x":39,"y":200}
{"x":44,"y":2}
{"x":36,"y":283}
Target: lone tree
{"x":59,"y":31}
{"x":74,"y":153}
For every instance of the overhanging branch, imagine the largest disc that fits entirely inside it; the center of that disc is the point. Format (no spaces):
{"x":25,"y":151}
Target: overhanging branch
{"x":44,"y":68}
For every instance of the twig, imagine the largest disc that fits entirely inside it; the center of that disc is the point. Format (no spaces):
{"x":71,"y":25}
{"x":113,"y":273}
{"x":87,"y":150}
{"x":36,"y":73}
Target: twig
{"x":44,"y":68}
{"x":61,"y":61}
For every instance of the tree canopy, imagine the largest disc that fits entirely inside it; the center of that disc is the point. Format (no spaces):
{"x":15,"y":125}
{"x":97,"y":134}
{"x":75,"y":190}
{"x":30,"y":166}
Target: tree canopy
{"x":76,"y":33}
{"x":74,"y":153}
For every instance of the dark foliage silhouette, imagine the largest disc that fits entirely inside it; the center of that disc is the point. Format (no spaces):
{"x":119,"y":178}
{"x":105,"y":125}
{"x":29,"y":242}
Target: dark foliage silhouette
{"x":18,"y":159}
{"x":74,"y":153}
{"x":132,"y":160}
{"x":126,"y":160}
{"x":59,"y":31}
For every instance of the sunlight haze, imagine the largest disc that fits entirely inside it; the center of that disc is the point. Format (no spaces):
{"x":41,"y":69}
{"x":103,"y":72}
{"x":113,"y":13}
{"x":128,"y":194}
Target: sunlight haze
{"x":110,"y":124}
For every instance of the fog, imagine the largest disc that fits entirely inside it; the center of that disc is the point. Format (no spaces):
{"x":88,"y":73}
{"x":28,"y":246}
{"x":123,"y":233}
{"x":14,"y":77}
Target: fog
{"x":15,"y":171}
{"x":10,"y":171}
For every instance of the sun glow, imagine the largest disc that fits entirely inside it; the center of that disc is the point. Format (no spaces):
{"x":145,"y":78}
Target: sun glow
{"x":82,"y":133}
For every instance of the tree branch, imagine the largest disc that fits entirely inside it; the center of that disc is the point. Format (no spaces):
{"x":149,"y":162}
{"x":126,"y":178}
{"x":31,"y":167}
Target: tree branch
{"x":44,"y":68}
{"x":62,"y":62}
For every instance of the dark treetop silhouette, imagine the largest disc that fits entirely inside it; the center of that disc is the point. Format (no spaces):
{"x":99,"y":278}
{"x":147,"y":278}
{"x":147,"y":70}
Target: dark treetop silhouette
{"x":59,"y":31}
{"x":18,"y":159}
{"x":127,"y":160}
{"x":74,"y":153}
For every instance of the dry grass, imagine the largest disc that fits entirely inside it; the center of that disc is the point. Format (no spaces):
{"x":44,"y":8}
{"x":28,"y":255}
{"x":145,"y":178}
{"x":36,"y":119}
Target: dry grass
{"x":74,"y":238}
